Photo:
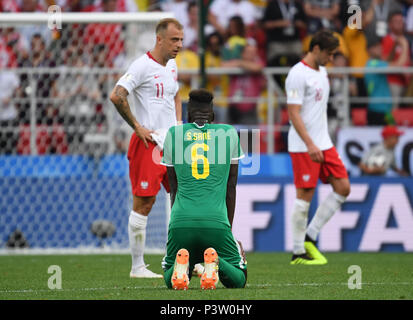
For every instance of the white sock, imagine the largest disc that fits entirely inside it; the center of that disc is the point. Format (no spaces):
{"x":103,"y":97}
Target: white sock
{"x":137,"y":236}
{"x":299,"y":223}
{"x":323,"y":214}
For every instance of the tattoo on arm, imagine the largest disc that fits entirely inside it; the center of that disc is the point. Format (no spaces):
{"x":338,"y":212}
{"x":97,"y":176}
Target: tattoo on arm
{"x":120,"y":100}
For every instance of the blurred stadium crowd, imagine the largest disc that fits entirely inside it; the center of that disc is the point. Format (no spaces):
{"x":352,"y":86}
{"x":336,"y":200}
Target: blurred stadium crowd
{"x":248,"y":34}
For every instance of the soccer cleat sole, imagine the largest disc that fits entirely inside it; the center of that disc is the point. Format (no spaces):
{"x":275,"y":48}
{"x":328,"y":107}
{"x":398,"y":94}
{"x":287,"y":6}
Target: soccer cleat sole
{"x":210,"y":278}
{"x":180,"y":279}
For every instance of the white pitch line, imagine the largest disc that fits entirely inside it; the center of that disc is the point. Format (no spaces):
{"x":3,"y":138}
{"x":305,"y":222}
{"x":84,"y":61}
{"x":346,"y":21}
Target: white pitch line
{"x":79,"y":289}
{"x":264,"y":285}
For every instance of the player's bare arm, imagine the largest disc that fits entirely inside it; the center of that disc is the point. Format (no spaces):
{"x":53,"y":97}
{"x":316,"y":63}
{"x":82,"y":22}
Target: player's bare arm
{"x":119,"y":98}
{"x":178,"y":108}
{"x":294,"y":114}
{"x":173,"y":183}
{"x":231,"y":191}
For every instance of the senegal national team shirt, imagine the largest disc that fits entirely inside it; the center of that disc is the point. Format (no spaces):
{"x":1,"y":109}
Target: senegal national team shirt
{"x":201,"y":157}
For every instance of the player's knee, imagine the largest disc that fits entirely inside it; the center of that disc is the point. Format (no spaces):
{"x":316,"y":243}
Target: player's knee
{"x":344,"y":189}
{"x":144,"y":206}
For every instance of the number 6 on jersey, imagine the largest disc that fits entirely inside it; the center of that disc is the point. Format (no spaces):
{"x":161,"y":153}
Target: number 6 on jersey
{"x":195,"y":157}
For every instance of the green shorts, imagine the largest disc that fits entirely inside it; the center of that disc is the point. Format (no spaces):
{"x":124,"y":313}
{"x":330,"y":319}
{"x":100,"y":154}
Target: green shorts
{"x":196,"y":240}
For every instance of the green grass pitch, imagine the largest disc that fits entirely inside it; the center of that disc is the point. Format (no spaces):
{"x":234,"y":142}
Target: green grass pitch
{"x":270,"y":277}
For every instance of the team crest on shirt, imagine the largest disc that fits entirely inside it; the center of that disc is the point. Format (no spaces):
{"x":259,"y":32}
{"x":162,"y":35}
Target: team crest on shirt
{"x":318,"y":94}
{"x":144,"y":184}
{"x":306,"y":177}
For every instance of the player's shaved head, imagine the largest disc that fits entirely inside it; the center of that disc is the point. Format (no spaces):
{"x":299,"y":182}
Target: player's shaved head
{"x":162,"y":25}
{"x":200,"y":106}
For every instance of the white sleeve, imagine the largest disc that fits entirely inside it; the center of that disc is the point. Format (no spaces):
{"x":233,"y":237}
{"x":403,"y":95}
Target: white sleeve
{"x":133,"y":77}
{"x":295,"y":87}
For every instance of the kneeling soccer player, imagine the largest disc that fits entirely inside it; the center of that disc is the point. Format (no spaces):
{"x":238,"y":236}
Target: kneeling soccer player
{"x":202,"y":160}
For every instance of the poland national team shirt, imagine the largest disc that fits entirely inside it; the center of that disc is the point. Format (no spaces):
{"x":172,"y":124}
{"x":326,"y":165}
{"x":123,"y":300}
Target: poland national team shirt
{"x":309,"y":88}
{"x":152,"y":89}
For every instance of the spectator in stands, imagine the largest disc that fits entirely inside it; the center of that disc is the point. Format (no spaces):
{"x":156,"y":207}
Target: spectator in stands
{"x":344,"y":16}
{"x":243,"y":88}
{"x":282,"y":22}
{"x":217,"y":84}
{"x":375,"y":14}
{"x":38,"y":58}
{"x":191,"y":29}
{"x":79,"y":94}
{"x":186,"y":60}
{"x":380,"y":158}
{"x":28,"y":31}
{"x":10,"y":43}
{"x":235,"y":39}
{"x":9,"y":83}
{"x":116,"y":6}
{"x":336,"y":109}
{"x":8,"y":6}
{"x":71,"y":5}
{"x":356,"y":43}
{"x":179,"y":9}
{"x":377,"y":84}
{"x":221,"y":11}
{"x":321,"y":14}
{"x":394,"y":46}
{"x":109,"y":34}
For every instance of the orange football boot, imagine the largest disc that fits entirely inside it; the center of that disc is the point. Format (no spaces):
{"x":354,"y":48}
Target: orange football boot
{"x":180,"y":279}
{"x":210,"y":278}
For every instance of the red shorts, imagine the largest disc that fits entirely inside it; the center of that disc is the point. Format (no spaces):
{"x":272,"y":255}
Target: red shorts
{"x":307,"y":172}
{"x":145,"y":172}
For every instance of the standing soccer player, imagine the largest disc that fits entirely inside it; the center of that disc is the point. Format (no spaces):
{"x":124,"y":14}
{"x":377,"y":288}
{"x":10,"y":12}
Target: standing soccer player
{"x":151,"y":85}
{"x":202,"y":161}
{"x":311,"y":149}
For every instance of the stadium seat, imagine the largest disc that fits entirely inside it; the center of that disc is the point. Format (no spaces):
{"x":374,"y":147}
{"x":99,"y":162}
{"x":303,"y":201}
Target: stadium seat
{"x":284,"y":117}
{"x":403,"y":117}
{"x":48,"y":140}
{"x":359,"y":116}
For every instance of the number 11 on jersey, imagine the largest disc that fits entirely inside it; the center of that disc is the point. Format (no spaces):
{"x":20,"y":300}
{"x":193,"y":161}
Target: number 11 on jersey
{"x":159,"y":89}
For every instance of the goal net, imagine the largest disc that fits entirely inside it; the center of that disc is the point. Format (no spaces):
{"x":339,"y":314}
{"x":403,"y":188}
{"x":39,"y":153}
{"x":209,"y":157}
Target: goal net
{"x":63,"y":169}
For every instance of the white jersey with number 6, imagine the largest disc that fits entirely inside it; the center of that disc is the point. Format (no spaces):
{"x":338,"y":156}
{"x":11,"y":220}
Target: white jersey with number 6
{"x":152,"y":88}
{"x":309,"y":88}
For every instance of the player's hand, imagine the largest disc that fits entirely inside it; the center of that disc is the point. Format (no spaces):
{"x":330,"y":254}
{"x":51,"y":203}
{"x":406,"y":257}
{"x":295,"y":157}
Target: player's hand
{"x":315,"y":153}
{"x":144,"y":134}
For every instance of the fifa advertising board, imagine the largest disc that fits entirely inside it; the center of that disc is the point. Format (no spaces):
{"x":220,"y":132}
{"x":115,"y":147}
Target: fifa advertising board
{"x":377,"y":216}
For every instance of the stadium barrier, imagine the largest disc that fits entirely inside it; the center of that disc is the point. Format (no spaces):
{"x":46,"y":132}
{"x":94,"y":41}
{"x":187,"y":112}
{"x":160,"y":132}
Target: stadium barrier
{"x":52,"y":202}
